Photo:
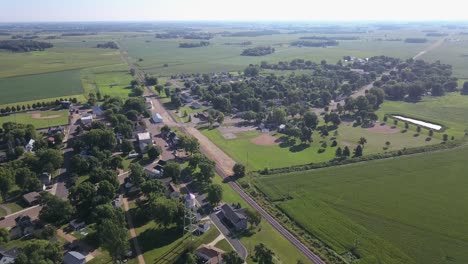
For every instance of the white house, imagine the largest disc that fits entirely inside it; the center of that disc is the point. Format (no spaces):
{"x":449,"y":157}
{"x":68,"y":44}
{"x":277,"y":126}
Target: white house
{"x":144,"y":140}
{"x":157,"y":118}
{"x":29,"y":147}
{"x":86,"y":119}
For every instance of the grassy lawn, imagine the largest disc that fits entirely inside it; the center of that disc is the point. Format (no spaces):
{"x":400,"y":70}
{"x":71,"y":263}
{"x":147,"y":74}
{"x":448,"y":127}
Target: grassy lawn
{"x":224,"y":245}
{"x":40,"y":86}
{"x":61,"y":118}
{"x":401,"y":210}
{"x":284,"y":250}
{"x":449,"y":110}
{"x":108,"y":80}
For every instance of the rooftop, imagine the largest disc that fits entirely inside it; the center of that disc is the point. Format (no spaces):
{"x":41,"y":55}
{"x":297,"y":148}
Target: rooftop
{"x":144,"y":136}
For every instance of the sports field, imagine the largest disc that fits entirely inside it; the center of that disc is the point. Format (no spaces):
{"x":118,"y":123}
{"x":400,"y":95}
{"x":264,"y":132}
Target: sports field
{"x":39,"y":119}
{"x":40,"y":86}
{"x":403,"y":210}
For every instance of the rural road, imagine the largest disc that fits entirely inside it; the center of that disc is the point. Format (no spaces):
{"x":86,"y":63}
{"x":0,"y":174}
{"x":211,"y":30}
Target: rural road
{"x":224,"y":165}
{"x":431,"y":47}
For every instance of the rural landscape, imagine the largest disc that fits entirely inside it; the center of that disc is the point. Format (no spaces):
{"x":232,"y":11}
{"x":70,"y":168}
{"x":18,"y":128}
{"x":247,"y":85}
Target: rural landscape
{"x":233,"y":142}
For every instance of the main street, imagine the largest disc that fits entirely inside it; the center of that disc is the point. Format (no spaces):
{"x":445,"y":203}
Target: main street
{"x":223,"y":162}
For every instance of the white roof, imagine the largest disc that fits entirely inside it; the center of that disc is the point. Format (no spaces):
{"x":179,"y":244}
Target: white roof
{"x":31,"y":142}
{"x":157,"y":115}
{"x":190,"y":196}
{"x":144,"y":136}
{"x":87,"y":117}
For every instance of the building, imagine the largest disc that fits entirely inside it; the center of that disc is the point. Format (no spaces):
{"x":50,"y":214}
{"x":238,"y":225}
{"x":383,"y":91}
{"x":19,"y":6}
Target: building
{"x":211,"y":254}
{"x":30,"y":146}
{"x":98,"y":111}
{"x":186,"y":98}
{"x":74,"y":257}
{"x":65,"y":104}
{"x":174,"y":191}
{"x":204,"y":227}
{"x":234,"y":218}
{"x":157,"y":118}
{"x":8,"y":256}
{"x":196,"y":105}
{"x":76,"y":225}
{"x":31,"y":198}
{"x":144,"y":141}
{"x":45,"y":178}
{"x":86,"y":119}
{"x":153,"y":173}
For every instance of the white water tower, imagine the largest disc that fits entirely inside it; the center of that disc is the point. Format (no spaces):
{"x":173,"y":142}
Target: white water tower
{"x":190,"y":214}
{"x":190,"y":201}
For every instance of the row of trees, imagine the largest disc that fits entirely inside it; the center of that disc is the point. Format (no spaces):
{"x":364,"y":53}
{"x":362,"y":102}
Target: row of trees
{"x":258,"y":51}
{"x":23,"y":45}
{"x":18,"y":108}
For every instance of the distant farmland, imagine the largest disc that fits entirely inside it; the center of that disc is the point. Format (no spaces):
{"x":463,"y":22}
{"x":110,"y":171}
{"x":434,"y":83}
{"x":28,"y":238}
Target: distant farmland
{"x":402,"y":210}
{"x":40,"y":86}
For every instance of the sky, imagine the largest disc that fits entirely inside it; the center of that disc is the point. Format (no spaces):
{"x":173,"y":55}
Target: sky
{"x":233,"y":10}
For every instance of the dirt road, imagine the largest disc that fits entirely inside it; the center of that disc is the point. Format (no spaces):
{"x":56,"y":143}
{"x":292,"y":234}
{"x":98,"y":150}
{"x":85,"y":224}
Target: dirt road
{"x":431,"y":47}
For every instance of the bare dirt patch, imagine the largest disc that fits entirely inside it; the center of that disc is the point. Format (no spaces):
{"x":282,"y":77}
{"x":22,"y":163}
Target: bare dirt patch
{"x":38,"y":116}
{"x":383,"y":129}
{"x":229,"y":136}
{"x":266,"y":140}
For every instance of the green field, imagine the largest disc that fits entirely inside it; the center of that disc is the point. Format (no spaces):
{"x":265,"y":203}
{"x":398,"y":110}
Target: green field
{"x":108,"y":80}
{"x":26,"y":118}
{"x":401,"y":210}
{"x":40,"y":86}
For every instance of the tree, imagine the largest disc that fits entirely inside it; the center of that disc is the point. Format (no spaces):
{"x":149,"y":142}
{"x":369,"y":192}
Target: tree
{"x":220,"y":118}
{"x":190,"y":144}
{"x":306,"y":134}
{"x":167,"y":91}
{"x":114,"y":238}
{"x":49,"y":160}
{"x":175,"y":100}
{"x":464,"y":89}
{"x":40,"y":251}
{"x":418,"y":129}
{"x":127,"y":146}
{"x":263,"y":254}
{"x":6,"y":182}
{"x":358,"y":151}
{"x":137,"y":174}
{"x":165,"y":211}
{"x":55,"y":210}
{"x":152,"y":187}
{"x":431,"y":132}
{"x":106,"y":190}
{"x":362,"y":141}
{"x":215,"y":194}
{"x":206,"y":171}
{"x":251,"y":71}
{"x":154,"y":152}
{"x":338,"y":152}
{"x":346,"y":152}
{"x":4,"y":236}
{"x":232,"y":257}
{"x":172,"y":170}
{"x":159,"y":89}
{"x":310,"y":120}
{"x":22,"y":175}
{"x":239,"y":170}
{"x":444,"y":137}
{"x":279,"y":116}
{"x":253,"y":217}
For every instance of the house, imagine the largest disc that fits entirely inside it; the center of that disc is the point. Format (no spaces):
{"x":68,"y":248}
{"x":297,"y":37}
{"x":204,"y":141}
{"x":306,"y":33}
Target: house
{"x":162,"y":162}
{"x":210,"y":254}
{"x":98,"y":111}
{"x":196,"y":105}
{"x":30,"y":146}
{"x":31,"y":198}
{"x":9,"y":256}
{"x":232,"y":217}
{"x":76,"y":225}
{"x":174,"y":191}
{"x":173,"y":138}
{"x":149,"y":104}
{"x":157,"y":118}
{"x":186,"y":98}
{"x":118,"y":202}
{"x":144,"y":140}
{"x":45,"y":178}
{"x":24,"y":226}
{"x":86,"y":119}
{"x":202,"y":116}
{"x":153,"y":173}
{"x":74,"y":257}
{"x":53,"y":130}
{"x":281,"y":127}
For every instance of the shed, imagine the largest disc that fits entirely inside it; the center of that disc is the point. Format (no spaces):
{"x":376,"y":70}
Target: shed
{"x":157,"y":118}
{"x":74,"y":257}
{"x":86,"y":119}
{"x":45,"y":178}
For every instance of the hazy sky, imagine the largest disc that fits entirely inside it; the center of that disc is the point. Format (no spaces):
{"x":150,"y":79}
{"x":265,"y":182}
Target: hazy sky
{"x":139,"y":10}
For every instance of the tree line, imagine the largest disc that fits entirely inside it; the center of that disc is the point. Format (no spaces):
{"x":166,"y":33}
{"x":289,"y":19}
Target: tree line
{"x":258,"y":51}
{"x":24,"y":45}
{"x":194,"y":44}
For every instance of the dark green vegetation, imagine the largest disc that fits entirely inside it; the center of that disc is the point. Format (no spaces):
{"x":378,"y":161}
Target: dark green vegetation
{"x":40,"y":86}
{"x":258,"y":51}
{"x":402,"y":210}
{"x":24,"y":45}
{"x":416,"y":40}
{"x":309,"y":43}
{"x":194,"y":44}
{"x":108,"y":45}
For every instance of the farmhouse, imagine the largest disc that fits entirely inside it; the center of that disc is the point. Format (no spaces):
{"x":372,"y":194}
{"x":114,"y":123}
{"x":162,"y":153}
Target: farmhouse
{"x":86,"y":119}
{"x":144,"y":140}
{"x":157,"y":118}
{"x":232,"y":217}
{"x":211,"y":254}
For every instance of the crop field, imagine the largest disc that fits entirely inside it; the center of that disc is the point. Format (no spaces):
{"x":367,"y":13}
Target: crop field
{"x":283,"y":154}
{"x":220,"y":57}
{"x":39,"y":119}
{"x":40,"y":86}
{"x":449,"y":110}
{"x":108,"y":80}
{"x":402,"y":210}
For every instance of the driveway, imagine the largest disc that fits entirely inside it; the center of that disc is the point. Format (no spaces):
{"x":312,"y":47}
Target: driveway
{"x":233,"y":240}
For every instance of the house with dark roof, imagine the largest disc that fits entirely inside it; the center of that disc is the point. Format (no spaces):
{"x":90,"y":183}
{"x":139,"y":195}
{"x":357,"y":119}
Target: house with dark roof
{"x":210,"y":254}
{"x":74,"y":257}
{"x":31,"y":198}
{"x":235,"y":218}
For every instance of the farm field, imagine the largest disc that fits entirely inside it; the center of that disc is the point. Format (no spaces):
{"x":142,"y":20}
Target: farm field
{"x":108,"y":80}
{"x":221,"y":57}
{"x":401,"y":210}
{"x":256,"y":156}
{"x":39,"y":119}
{"x":40,"y":86}
{"x":449,"y":110}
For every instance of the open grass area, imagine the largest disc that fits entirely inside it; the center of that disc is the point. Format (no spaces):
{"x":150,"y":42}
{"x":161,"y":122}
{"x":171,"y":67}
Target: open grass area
{"x":449,"y":110}
{"x":108,"y":80}
{"x":40,"y":86}
{"x":285,"y":252}
{"x":401,"y":210}
{"x":224,"y":245}
{"x":43,"y":120}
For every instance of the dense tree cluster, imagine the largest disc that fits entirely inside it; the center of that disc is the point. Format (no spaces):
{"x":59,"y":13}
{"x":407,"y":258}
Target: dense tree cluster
{"x":185,"y":35}
{"x":331,"y":38}
{"x":258,"y":51}
{"x":24,"y":45}
{"x":194,"y":44}
{"x":416,"y":40}
{"x":309,"y":43}
{"x":37,"y":105}
{"x":108,"y":45}
{"x":253,"y":33}
{"x":244,"y":43}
